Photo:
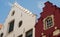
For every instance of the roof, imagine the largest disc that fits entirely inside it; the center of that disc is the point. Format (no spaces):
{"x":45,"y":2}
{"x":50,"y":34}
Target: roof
{"x":0,"y":26}
{"x":24,"y":9}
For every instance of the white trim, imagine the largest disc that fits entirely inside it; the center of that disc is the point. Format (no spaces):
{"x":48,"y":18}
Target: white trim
{"x":44,"y":36}
{"x":44,"y":24}
{"x":56,"y":32}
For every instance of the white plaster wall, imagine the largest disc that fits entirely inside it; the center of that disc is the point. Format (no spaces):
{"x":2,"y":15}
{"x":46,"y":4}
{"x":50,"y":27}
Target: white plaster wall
{"x":28,"y":22}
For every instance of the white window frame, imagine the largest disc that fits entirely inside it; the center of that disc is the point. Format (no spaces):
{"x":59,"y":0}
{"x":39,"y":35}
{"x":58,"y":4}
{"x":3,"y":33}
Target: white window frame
{"x":45,"y":25}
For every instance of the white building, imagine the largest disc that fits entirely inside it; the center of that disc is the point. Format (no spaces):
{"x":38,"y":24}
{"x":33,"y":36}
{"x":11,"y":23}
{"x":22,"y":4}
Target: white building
{"x":19,"y":23}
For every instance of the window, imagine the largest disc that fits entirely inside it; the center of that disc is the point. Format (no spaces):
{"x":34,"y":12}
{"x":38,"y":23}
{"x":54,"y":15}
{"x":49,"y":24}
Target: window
{"x":20,"y":36}
{"x":48,"y":22}
{"x":20,"y":23}
{"x":11,"y":26}
{"x":1,"y":34}
{"x":13,"y":13}
{"x":29,"y":33}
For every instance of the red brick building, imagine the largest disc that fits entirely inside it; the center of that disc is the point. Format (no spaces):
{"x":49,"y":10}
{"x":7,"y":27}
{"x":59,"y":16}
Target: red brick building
{"x":48,"y":24}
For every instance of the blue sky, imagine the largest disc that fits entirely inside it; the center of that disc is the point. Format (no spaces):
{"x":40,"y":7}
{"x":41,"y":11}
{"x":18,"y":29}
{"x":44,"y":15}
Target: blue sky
{"x":35,"y":6}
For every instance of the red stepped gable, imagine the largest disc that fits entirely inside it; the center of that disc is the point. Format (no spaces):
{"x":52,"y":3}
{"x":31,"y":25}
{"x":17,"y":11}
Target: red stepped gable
{"x":49,"y":23}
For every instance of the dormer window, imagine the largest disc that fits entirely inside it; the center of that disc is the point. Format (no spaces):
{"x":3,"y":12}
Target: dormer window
{"x":48,"y":22}
{"x":13,"y":13}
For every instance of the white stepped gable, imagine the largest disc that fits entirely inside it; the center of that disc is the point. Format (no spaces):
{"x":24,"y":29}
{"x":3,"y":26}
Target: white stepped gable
{"x":24,"y":9}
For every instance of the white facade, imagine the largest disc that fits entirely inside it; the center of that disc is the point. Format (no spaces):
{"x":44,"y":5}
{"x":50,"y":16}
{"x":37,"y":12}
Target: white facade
{"x":21,"y":14}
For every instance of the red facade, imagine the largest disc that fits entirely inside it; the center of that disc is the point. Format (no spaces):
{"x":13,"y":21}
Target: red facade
{"x":48,"y":10}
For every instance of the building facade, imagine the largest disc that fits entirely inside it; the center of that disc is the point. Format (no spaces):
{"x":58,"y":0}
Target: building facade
{"x":19,"y":23}
{"x":48,"y":24}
